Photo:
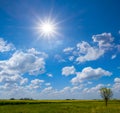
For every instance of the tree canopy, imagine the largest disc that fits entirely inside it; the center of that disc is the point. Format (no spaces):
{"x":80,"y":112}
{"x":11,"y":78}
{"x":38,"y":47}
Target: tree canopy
{"x":106,"y":94}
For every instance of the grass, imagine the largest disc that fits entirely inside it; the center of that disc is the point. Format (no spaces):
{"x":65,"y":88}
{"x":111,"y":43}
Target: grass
{"x":58,"y":106}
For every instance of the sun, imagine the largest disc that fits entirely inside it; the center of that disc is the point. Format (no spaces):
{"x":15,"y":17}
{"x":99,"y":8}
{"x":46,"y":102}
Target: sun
{"x":47,"y":28}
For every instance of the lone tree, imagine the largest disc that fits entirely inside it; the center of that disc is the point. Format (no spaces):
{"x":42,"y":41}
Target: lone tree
{"x":106,"y":94}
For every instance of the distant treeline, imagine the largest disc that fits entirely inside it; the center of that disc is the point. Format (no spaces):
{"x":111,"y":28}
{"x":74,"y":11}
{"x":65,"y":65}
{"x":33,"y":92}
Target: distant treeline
{"x":22,"y":99}
{"x":13,"y":101}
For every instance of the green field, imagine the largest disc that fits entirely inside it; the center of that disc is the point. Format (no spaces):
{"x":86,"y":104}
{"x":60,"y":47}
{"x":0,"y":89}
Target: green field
{"x":58,"y":106}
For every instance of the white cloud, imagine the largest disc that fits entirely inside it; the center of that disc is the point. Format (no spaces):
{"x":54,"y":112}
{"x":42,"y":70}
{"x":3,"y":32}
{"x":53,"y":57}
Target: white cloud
{"x":104,"y":40}
{"x":67,"y":50}
{"x":12,"y":70}
{"x":71,"y":58}
{"x":35,"y":52}
{"x":117,"y":80}
{"x":83,"y":47}
{"x":36,"y":81}
{"x":35,"y":84}
{"x":69,"y":70}
{"x":116,"y":87}
{"x":70,"y":90}
{"x":113,"y":56}
{"x":14,"y":90}
{"x":47,"y":90}
{"x":75,"y":92}
{"x":59,"y":58}
{"x":65,"y":90}
{"x":47,"y":84}
{"x":49,"y":75}
{"x":22,"y":62}
{"x":93,"y":92}
{"x":13,"y":79}
{"x":89,"y":73}
{"x":87,"y":52}
{"x":93,"y":89}
{"x":5,"y":46}
{"x":89,"y":82}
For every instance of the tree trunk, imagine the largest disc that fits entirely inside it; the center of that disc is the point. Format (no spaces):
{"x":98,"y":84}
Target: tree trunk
{"x":106,"y":100}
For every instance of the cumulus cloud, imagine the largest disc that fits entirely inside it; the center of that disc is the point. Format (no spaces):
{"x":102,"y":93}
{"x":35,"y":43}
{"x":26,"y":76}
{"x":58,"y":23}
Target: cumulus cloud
{"x":75,"y":92}
{"x":117,"y":80}
{"x":67,"y":50}
{"x":12,"y":71}
{"x":22,"y":62}
{"x":104,"y":40}
{"x":89,"y":73}
{"x":92,"y":92}
{"x":69,"y":70}
{"x":29,"y":90}
{"x":93,"y":89}
{"x":5,"y":46}
{"x":35,"y":52}
{"x":88,"y":53}
{"x":36,"y":81}
{"x":13,"y":79}
{"x":84,"y":51}
{"x":47,"y":90}
{"x":35,"y":84}
{"x":116,"y":87}
{"x":15,"y":90}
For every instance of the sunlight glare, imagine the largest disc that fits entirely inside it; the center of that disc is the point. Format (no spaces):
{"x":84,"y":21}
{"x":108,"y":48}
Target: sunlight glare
{"x":47,"y":28}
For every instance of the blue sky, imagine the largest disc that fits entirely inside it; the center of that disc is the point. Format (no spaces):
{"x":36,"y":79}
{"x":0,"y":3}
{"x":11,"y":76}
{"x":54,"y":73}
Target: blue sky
{"x":81,"y":56}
